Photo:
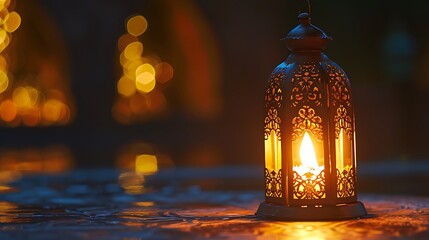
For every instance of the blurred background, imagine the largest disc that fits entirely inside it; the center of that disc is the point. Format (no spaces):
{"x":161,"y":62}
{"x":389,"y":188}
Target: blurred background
{"x":108,"y":83}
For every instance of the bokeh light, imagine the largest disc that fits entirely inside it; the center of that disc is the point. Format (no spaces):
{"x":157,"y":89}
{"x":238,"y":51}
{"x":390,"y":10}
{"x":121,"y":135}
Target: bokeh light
{"x":139,"y":96}
{"x":25,"y":97}
{"x":137,"y":25}
{"x":133,"y":50}
{"x":126,"y":86}
{"x":4,"y":81}
{"x":12,"y":22}
{"x":146,"y":67}
{"x":54,"y":111}
{"x":36,"y":96}
{"x":147,"y":164}
{"x":8,"y":111}
{"x":145,"y":82}
{"x":138,"y":160}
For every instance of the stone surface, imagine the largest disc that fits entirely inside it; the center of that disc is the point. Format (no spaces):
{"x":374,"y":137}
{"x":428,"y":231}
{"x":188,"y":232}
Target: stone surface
{"x":108,"y":204}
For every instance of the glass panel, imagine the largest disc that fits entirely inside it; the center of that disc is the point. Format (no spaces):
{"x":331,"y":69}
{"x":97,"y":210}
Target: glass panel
{"x":308,"y":156}
{"x":273,"y":155}
{"x":344,"y":154}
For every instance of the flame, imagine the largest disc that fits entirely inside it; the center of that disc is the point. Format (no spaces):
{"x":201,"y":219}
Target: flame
{"x":307,"y":153}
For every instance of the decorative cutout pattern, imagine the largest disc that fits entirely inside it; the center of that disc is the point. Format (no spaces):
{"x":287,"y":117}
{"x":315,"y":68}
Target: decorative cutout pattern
{"x":305,"y":88}
{"x":307,"y":121}
{"x":273,"y":102}
{"x":273,"y":94}
{"x":346,"y":182}
{"x":309,"y":188}
{"x":273,"y":183}
{"x":338,"y":82}
{"x":272,"y":123}
{"x":343,"y":120}
{"x":273,"y":98}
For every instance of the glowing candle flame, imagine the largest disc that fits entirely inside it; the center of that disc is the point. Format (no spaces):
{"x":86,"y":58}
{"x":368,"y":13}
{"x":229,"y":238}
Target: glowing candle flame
{"x":307,"y":153}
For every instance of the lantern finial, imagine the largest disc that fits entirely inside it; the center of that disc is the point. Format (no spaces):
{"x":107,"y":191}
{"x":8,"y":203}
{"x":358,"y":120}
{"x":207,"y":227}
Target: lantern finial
{"x":306,"y":37}
{"x":304,"y":18}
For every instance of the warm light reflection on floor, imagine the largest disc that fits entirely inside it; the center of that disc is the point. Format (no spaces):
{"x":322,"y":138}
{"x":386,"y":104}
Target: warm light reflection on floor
{"x":140,"y":88}
{"x":7,"y":210}
{"x":14,"y":163}
{"x":138,"y":160}
{"x":51,"y":160}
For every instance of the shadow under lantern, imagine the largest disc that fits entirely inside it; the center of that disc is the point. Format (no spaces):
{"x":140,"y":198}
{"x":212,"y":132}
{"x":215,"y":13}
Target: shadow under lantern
{"x":309,"y":134}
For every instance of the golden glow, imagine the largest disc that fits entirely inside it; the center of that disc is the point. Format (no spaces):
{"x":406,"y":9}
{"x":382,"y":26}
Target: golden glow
{"x":139,"y":97}
{"x":133,"y":51}
{"x":343,"y":151}
{"x":8,"y":111}
{"x":146,"y":164}
{"x":3,"y":63}
{"x":340,"y":150}
{"x":309,"y":167}
{"x":15,"y":163}
{"x":144,"y":204}
{"x":130,"y":68}
{"x":307,"y":154}
{"x":122,"y":59}
{"x":25,"y":97}
{"x":273,"y":153}
{"x":132,"y":182}
{"x":137,"y":25}
{"x":3,"y":36}
{"x":8,"y":212}
{"x":146,"y":67}
{"x":4,"y":3}
{"x":126,"y":86}
{"x":9,"y":176}
{"x":4,"y":81}
{"x":13,"y":22}
{"x":54,"y":110}
{"x":145,"y":82}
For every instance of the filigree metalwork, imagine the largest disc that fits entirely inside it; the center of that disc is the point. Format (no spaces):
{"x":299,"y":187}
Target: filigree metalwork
{"x":309,"y":188}
{"x":339,"y":85}
{"x":346,"y":182}
{"x":343,"y":120}
{"x":273,"y":94}
{"x":306,"y":88}
{"x":272,"y":123}
{"x":307,"y":120}
{"x":273,"y":98}
{"x":273,"y":183}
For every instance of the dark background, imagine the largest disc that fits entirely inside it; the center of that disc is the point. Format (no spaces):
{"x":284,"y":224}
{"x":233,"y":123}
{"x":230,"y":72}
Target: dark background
{"x":382,"y":45}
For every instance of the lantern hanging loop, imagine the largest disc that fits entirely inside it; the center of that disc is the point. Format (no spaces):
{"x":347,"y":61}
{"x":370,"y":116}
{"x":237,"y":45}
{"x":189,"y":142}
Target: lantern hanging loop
{"x":308,"y":7}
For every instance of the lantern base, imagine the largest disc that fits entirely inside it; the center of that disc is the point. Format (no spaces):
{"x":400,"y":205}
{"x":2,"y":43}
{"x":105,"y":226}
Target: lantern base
{"x":311,"y":213}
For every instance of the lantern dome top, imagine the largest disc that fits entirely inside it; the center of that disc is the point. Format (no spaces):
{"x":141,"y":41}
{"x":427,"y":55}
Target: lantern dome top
{"x":306,"y":37}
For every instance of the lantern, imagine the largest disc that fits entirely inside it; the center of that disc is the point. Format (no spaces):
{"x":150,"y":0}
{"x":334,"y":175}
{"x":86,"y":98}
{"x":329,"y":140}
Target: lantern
{"x":309,"y":134}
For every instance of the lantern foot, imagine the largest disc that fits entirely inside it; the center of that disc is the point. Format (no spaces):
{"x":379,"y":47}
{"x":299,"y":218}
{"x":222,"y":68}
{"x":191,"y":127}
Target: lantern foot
{"x":311,"y":213}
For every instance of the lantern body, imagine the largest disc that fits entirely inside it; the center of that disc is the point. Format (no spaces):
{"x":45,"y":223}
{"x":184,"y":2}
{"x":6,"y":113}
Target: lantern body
{"x":309,"y":134}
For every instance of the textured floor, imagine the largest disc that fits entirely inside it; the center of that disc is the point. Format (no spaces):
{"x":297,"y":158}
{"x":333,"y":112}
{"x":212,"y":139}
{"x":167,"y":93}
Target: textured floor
{"x":107,"y":204}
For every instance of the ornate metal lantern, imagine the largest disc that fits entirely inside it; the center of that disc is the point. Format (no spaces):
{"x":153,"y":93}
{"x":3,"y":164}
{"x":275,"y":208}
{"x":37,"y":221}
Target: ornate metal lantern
{"x":309,"y":135}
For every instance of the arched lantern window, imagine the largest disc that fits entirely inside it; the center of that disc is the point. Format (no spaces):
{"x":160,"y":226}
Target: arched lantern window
{"x":309,"y":134}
